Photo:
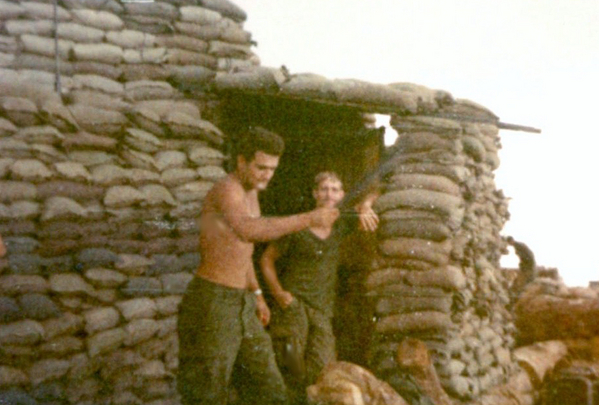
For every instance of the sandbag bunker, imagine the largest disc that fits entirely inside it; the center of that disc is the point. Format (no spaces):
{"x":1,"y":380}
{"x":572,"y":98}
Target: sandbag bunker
{"x":115,"y":121}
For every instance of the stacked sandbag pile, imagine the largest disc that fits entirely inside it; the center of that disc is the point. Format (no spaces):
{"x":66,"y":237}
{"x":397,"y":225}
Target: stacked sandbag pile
{"x":100,"y":188}
{"x":438,"y":277}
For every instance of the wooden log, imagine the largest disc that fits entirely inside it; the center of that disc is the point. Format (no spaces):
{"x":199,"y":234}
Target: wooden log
{"x":540,"y":358}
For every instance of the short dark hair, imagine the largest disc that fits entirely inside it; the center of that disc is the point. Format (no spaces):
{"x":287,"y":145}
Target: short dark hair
{"x":259,"y":139}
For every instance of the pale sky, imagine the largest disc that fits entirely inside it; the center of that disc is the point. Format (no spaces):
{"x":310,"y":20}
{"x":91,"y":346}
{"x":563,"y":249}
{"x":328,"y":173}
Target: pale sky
{"x":531,"y":62}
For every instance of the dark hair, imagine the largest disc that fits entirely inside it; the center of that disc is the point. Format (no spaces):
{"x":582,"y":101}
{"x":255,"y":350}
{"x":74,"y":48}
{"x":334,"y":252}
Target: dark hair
{"x":259,"y":139}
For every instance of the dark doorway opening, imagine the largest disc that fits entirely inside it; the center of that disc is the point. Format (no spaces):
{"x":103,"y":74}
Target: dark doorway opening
{"x":318,"y":137}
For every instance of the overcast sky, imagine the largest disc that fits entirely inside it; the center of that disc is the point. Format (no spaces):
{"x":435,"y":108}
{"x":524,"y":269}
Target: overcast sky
{"x":531,"y":62}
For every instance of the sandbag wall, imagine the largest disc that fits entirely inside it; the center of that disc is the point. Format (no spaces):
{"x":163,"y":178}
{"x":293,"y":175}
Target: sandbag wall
{"x":99,"y":190}
{"x":438,"y":277}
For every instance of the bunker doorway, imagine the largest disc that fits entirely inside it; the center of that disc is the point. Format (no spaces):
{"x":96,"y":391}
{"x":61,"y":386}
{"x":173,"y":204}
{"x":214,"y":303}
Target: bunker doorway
{"x":318,"y":137}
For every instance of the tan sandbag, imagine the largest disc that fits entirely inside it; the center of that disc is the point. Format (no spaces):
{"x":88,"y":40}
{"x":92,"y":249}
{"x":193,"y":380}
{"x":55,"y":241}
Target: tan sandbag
{"x":30,"y":170}
{"x":99,"y":121}
{"x":183,"y":58}
{"x":79,"y":33}
{"x":40,"y":62}
{"x":425,"y":141}
{"x":109,"y":175}
{"x":97,"y":69}
{"x":6,"y":60}
{"x":57,"y":114}
{"x":170,"y":158}
{"x":99,"y":83}
{"x":5,"y":164}
{"x":203,"y":32}
{"x":199,"y":15}
{"x":62,"y":208}
{"x":177,"y":176}
{"x":138,"y":159}
{"x":149,"y":24}
{"x":145,"y":55}
{"x":142,"y":140}
{"x":457,"y":174}
{"x":183,"y":125}
{"x":108,"y":5}
{"x":436,"y":253}
{"x":19,"y":27}
{"x":194,"y":191}
{"x":71,"y":189}
{"x":204,"y":155}
{"x":396,"y":305}
{"x":443,"y":203}
{"x":182,"y":42}
{"x":84,"y":140}
{"x":414,"y":322}
{"x":122,"y":196}
{"x":130,"y":39}
{"x":92,"y":158}
{"x":211,"y":173}
{"x":41,"y":11}
{"x":8,"y":44}
{"x":361,"y":92}
{"x":103,"y":53}
{"x":166,"y":106}
{"x":233,"y":64}
{"x":378,"y":278}
{"x":155,"y":195}
{"x":140,"y":177}
{"x":445,"y":127}
{"x":47,"y":153}
{"x":17,"y":190}
{"x":423,"y":181}
{"x":46,"y":46}
{"x":20,"y":111}
{"x":224,"y":49}
{"x":233,"y":32}
{"x":10,"y":10}
{"x":24,"y":210}
{"x":148,"y":90}
{"x":156,"y":9}
{"x":227,"y":8}
{"x":98,"y":99}
{"x":72,"y":171}
{"x":435,"y":229}
{"x":448,"y":277}
{"x":147,"y":120}
{"x":14,"y":149}
{"x":474,"y":148}
{"x":187,"y":78}
{"x":349,"y":384}
{"x":6,"y":127}
{"x":39,"y":134}
{"x":144,"y":71}
{"x":103,"y":20}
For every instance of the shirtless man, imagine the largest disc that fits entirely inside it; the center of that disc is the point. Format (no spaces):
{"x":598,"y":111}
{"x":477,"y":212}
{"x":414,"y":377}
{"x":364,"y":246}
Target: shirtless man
{"x":218,"y":327}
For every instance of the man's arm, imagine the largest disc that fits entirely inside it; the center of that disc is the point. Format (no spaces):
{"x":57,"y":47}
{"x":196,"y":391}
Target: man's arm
{"x":269,"y":271}
{"x":236,"y":212}
{"x":369,"y":220}
{"x":261,"y":307}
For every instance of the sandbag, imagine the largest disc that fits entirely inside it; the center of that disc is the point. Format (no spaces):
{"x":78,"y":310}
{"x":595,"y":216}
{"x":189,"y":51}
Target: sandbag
{"x":108,"y":5}
{"x":144,"y":71}
{"x":187,"y":78}
{"x":425,"y":141}
{"x":203,"y":32}
{"x":164,"y":107}
{"x":20,"y":111}
{"x":420,"y":321}
{"x":156,"y":9}
{"x":40,"y":62}
{"x":6,"y":127}
{"x":24,"y":210}
{"x":155,"y":195}
{"x":99,"y":121}
{"x":474,"y":148}
{"x":182,"y":125}
{"x":103,"y":20}
{"x":97,"y":69}
{"x":130,"y":39}
{"x":122,"y":196}
{"x":138,"y":159}
{"x":224,"y":49}
{"x":84,"y":140}
{"x":195,"y":191}
{"x":148,"y":24}
{"x":30,"y":170}
{"x":397,"y":305}
{"x":40,"y":11}
{"x":39,"y":134}
{"x":92,"y":158}
{"x":103,"y":53}
{"x":361,"y":92}
{"x":139,"y":177}
{"x":8,"y":44}
{"x":72,"y":171}
{"x":226,"y":8}
{"x":448,"y":277}
{"x":62,"y":208}
{"x":148,"y":90}
{"x":147,"y":120}
{"x":71,"y":189}
{"x":99,"y":83}
{"x":57,"y":114}
{"x":79,"y":33}
{"x":17,"y":190}
{"x":415,"y":228}
{"x":170,"y":158}
{"x":10,"y":10}
{"x":443,"y":203}
{"x":436,"y":253}
{"x":211,"y":173}
{"x":6,"y":60}
{"x":98,"y":99}
{"x":5,"y":164}
{"x":233,"y":32}
{"x":46,"y":46}
{"x":146,"y":55}
{"x":199,"y":15}
{"x":142,"y":140}
{"x":109,"y":175}
{"x":182,"y":57}
{"x":182,"y":42}
{"x":14,"y":149}
{"x":177,"y":176}
{"x":19,"y":27}
{"x":47,"y":153}
{"x":423,"y":181}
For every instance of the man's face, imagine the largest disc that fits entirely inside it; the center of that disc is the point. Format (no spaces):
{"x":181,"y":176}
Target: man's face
{"x":257,"y":173}
{"x":329,"y":193}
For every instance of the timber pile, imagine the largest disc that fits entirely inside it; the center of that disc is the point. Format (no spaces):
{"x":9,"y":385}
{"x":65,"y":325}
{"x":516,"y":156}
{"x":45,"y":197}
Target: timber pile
{"x":100,"y":187}
{"x":438,"y":277}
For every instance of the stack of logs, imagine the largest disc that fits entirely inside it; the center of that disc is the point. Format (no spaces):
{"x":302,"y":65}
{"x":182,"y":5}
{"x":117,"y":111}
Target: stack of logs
{"x":438,"y":277}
